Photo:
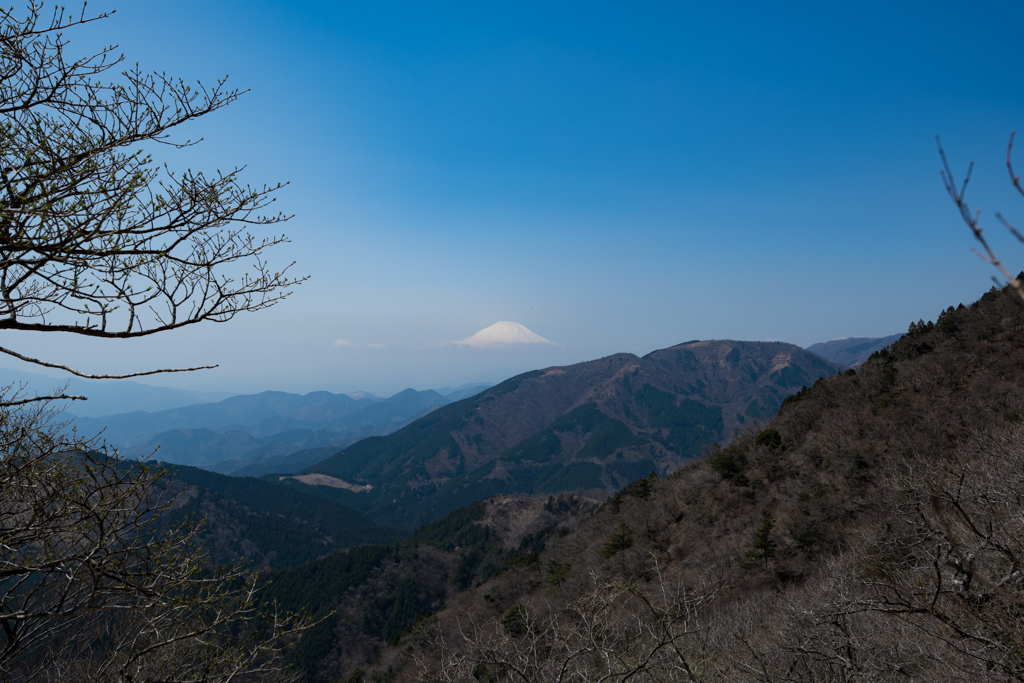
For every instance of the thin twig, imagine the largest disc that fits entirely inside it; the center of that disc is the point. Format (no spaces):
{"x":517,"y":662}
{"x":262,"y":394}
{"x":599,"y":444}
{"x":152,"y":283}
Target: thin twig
{"x":58,"y":366}
{"x":1014,"y":178}
{"x":23,"y":401}
{"x":973,"y":220}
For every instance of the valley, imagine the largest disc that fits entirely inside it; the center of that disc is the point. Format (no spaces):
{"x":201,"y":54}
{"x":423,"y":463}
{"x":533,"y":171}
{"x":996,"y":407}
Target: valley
{"x":497,"y":496}
{"x":448,"y":343}
{"x":795,"y":546}
{"x":595,"y":426}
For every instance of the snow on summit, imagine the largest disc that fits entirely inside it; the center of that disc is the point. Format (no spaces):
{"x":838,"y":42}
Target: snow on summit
{"x":504,"y":333}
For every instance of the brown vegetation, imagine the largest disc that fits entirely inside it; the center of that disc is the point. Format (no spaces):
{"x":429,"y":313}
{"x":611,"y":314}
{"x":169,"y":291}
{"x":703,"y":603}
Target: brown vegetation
{"x":872,"y":532}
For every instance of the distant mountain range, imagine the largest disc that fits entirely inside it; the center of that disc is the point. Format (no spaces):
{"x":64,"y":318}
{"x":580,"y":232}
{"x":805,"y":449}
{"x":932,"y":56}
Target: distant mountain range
{"x":593,"y":425}
{"x":851,"y":351}
{"x":267,"y":432}
{"x":116,"y":397}
{"x":276,"y":432}
{"x":386,"y":466}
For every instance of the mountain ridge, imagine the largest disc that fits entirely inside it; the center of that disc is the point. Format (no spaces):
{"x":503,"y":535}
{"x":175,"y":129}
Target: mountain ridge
{"x":595,"y":425}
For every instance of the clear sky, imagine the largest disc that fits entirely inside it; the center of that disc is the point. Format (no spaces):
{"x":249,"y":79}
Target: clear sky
{"x":616,"y":177}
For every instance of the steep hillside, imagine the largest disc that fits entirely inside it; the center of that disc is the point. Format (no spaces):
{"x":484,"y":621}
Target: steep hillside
{"x":270,"y":525}
{"x":870,"y":532}
{"x":594,"y":425}
{"x":378,"y":593}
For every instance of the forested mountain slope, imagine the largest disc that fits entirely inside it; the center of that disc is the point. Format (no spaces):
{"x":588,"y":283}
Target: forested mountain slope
{"x":593,"y":425}
{"x":270,"y":525}
{"x":378,"y":593}
{"x":871,"y":532}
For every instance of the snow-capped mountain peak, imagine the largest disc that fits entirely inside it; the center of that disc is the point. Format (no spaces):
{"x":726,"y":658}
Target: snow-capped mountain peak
{"x":504,"y":333}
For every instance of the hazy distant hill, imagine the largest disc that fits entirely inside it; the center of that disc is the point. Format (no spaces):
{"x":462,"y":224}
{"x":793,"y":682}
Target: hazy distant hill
{"x":464,"y":391}
{"x":599,"y":424}
{"x":262,"y":414}
{"x":853,"y":350}
{"x":262,"y":432}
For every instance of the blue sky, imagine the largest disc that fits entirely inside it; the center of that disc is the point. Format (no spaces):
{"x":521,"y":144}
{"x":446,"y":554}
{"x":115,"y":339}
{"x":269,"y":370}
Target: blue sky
{"x":615,"y":178}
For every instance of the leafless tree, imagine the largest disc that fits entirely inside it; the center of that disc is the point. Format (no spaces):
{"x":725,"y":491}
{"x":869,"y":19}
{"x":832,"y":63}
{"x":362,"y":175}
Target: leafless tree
{"x":613,"y":633}
{"x":96,"y":584}
{"x":953,"y":565}
{"x":933,"y":594}
{"x":823,"y":630}
{"x":96,"y":238}
{"x":958,"y":193}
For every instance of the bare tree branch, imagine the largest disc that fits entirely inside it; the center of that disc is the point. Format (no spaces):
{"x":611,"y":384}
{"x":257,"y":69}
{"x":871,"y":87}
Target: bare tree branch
{"x":58,"y":366}
{"x":973,"y":219}
{"x":98,"y":582}
{"x":614,"y":633}
{"x":38,"y":399}
{"x":97,"y":239}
